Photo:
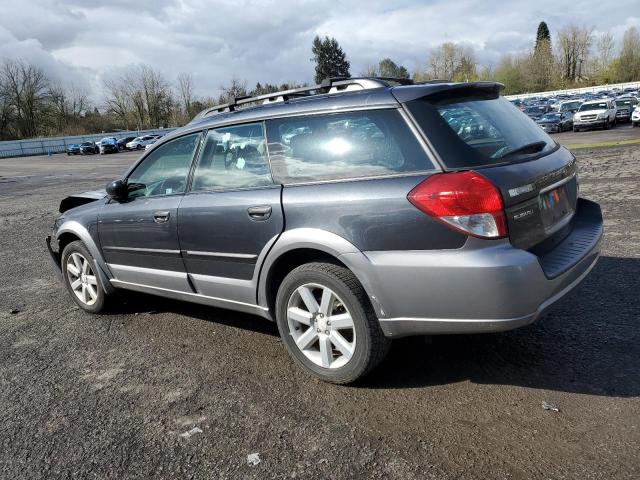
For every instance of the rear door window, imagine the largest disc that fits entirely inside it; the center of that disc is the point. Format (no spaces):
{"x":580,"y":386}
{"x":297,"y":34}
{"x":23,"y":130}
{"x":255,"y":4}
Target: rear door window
{"x":479,"y":131}
{"x":342,"y":146}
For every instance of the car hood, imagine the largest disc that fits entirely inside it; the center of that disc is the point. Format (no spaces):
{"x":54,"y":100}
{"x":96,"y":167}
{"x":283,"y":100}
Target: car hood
{"x":78,"y":199}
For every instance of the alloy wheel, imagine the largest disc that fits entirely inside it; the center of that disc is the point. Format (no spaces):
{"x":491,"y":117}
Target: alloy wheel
{"x":82,"y":279}
{"x":321,"y":325}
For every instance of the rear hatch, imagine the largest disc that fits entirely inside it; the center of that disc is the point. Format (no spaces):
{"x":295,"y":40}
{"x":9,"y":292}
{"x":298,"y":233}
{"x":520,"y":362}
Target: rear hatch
{"x":470,"y":127}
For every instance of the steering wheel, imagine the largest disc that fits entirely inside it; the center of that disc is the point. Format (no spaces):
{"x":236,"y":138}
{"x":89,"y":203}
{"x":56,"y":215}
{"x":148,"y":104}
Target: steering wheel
{"x":175,"y":184}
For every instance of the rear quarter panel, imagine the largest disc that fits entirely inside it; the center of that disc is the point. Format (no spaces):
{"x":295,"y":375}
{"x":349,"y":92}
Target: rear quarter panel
{"x":372,"y":214}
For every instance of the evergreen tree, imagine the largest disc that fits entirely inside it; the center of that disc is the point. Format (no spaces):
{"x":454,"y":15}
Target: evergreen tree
{"x":542,"y":35}
{"x":330,"y":60}
{"x":388,"y":68}
{"x":542,"y":61}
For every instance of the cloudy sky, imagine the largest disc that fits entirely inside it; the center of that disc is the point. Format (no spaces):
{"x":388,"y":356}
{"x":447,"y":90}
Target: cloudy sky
{"x":86,"y":41}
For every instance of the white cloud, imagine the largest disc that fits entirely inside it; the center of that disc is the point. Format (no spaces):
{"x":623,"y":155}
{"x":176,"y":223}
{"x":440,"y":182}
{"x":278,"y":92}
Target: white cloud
{"x":87,"y":40}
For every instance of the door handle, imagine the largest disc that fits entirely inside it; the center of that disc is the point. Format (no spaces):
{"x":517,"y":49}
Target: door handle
{"x":161,"y":217}
{"x":259,"y":213}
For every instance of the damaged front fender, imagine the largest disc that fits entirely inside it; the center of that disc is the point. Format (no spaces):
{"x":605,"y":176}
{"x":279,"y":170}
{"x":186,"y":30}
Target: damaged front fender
{"x":78,"y":199}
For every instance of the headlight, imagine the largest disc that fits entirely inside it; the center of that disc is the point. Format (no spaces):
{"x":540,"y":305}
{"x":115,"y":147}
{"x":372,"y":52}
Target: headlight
{"x":601,"y":116}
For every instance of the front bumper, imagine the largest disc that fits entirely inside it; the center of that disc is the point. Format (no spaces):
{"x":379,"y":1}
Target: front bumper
{"x":486,"y":286}
{"x":55,"y":255}
{"x":589,"y":123}
{"x":550,"y":127}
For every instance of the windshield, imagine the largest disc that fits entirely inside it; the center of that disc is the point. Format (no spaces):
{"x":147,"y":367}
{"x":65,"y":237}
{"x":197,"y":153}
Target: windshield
{"x":472,"y":132}
{"x":585,"y":107}
{"x":624,"y":103}
{"x":551,"y":116}
{"x":536,"y":109}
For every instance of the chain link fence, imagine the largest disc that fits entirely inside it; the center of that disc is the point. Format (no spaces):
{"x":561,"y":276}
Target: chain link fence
{"x":51,"y":145}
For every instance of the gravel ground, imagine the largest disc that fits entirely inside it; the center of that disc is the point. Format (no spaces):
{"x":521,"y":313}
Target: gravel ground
{"x":163,"y":389}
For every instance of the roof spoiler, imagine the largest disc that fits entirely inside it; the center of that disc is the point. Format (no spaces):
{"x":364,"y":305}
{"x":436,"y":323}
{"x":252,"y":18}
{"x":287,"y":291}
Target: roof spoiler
{"x":442,"y":91}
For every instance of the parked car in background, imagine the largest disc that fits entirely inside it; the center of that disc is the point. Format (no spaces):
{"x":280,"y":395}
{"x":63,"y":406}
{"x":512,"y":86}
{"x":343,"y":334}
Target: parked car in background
{"x":595,"y":113}
{"x":122,"y":143}
{"x":73,"y":149}
{"x":150,"y":144}
{"x":463,"y":217}
{"x":556,"y":122}
{"x":635,"y":117}
{"x":535,"y":112}
{"x":108,"y":145}
{"x":139,"y":143}
{"x":571,"y":106}
{"x":89,"y":148}
{"x":625,"y":106}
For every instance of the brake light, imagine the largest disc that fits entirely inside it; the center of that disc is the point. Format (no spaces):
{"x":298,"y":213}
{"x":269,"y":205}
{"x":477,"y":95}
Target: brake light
{"x":466,"y":201}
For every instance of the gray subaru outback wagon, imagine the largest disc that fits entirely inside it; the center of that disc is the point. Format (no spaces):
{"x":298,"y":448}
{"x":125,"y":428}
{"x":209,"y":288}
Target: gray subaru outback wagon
{"x":350,"y":213}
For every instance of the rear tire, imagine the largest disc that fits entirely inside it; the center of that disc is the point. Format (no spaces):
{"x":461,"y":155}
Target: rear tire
{"x":82,"y":281}
{"x":327,"y":323}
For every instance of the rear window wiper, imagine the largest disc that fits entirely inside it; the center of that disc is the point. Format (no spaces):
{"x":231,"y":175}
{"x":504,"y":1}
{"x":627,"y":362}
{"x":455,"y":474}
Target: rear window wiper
{"x":533,"y":147}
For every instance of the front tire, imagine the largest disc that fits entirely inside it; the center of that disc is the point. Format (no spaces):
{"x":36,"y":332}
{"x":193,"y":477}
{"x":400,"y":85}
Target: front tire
{"x":81,"y":279}
{"x":327,"y":323}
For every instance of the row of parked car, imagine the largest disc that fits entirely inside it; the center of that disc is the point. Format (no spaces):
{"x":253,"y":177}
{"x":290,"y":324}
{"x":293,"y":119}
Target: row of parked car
{"x":112,"y":145}
{"x":603,"y":109}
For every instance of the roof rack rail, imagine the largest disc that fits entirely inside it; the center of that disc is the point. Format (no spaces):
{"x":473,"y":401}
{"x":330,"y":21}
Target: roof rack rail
{"x":328,"y":85}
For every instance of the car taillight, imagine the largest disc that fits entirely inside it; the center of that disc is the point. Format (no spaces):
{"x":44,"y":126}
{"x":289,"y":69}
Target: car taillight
{"x":466,"y":201}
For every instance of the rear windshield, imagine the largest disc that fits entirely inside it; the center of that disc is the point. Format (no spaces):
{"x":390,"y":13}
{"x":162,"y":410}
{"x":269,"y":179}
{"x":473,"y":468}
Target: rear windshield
{"x":568,"y":106}
{"x":476,"y":131}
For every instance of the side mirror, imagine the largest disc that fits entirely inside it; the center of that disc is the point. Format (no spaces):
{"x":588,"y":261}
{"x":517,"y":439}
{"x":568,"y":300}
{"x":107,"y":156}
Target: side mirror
{"x":117,"y":190}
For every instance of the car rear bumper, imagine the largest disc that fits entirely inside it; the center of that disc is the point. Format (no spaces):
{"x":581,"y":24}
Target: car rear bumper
{"x":486,"y":286}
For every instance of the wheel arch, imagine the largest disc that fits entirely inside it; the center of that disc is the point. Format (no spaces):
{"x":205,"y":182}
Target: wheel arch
{"x":72,"y":230}
{"x":300,"y":246}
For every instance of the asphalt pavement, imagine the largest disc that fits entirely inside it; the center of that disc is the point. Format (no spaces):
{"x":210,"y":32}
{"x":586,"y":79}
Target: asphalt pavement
{"x":164,"y":389}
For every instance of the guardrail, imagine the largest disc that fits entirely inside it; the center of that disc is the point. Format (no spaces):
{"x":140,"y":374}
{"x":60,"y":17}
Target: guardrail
{"x":596,"y":89}
{"x":51,"y":145}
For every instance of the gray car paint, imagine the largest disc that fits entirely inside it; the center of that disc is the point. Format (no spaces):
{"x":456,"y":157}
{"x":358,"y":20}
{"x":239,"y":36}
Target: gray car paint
{"x":434,"y":281}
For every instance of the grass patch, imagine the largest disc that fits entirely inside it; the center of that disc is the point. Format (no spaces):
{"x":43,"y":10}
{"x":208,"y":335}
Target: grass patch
{"x":612,"y":143}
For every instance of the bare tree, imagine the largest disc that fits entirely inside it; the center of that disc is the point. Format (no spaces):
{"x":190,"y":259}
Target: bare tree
{"x":574,"y":43}
{"x":66,"y":105}
{"x":628,"y":64}
{"x":370,"y":71}
{"x":185,"y":90}
{"x":26,"y":86}
{"x":118,"y":101}
{"x":237,"y":88}
{"x":450,"y":61}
